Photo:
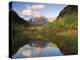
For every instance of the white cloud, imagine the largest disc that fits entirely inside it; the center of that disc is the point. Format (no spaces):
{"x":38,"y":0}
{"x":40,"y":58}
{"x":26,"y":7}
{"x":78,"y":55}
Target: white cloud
{"x":27,"y":12}
{"x":37,"y":7}
{"x":32,"y":10}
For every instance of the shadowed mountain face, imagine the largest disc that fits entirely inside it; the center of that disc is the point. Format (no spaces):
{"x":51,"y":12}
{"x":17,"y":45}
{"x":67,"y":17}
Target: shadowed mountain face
{"x":17,"y":23}
{"x":16,"y":20}
{"x":68,"y":10}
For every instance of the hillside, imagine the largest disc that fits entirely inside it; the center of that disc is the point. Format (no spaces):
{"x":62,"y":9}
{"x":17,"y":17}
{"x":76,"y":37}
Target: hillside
{"x":69,"y":16}
{"x":17,"y":22}
{"x":66,"y":20}
{"x":68,"y":10}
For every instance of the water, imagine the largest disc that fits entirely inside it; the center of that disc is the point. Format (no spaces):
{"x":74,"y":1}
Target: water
{"x":27,"y":50}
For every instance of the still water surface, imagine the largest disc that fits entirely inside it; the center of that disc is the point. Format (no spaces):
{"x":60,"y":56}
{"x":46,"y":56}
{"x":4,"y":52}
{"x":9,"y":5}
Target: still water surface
{"x":28,"y":50}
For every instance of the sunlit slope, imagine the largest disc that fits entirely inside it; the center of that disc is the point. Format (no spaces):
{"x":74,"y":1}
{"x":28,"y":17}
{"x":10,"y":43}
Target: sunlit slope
{"x":66,"y":20}
{"x":64,"y":30}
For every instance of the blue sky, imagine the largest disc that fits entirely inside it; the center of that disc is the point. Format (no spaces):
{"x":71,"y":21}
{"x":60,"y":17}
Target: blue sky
{"x":48,"y":9}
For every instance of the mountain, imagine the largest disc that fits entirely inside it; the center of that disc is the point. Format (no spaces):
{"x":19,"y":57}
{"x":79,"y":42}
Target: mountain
{"x":66,"y":20}
{"x":68,"y":17}
{"x":68,"y":10}
{"x":39,"y":20}
{"x":16,"y":21}
{"x":51,"y":19}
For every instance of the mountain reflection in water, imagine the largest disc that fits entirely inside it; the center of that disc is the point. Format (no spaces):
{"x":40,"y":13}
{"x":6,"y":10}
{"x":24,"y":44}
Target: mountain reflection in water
{"x":27,"y":50}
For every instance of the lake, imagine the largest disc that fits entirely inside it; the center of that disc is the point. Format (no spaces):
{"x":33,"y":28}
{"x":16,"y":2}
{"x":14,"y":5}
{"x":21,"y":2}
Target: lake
{"x":38,"y":49}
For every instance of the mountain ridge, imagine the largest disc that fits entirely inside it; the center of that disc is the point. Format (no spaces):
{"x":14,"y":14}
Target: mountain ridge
{"x":68,"y":10}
